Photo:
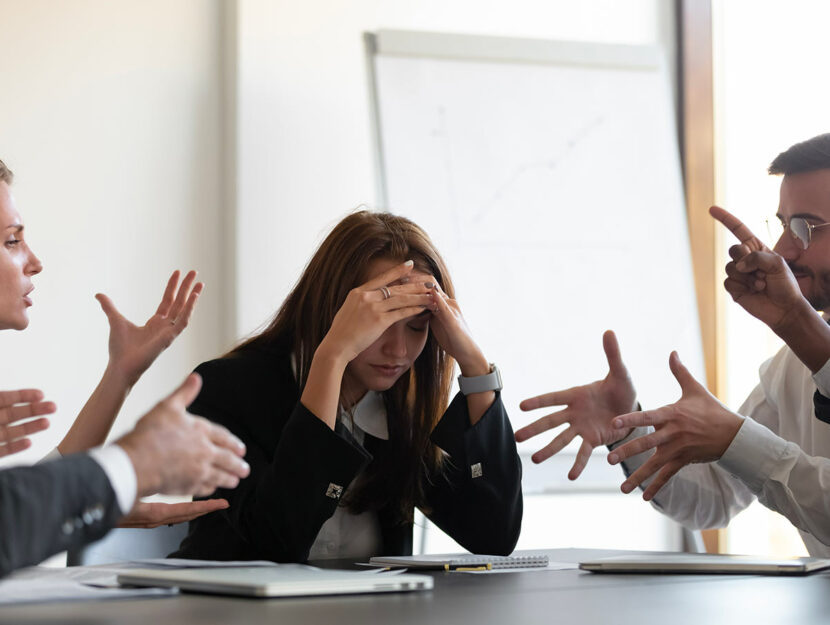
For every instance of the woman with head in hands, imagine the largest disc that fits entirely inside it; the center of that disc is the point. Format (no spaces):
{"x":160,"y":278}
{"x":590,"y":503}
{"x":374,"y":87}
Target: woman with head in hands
{"x":343,"y":402}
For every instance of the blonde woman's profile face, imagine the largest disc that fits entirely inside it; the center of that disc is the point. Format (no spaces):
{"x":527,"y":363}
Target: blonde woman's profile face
{"x":380,"y":365}
{"x":17,"y":266}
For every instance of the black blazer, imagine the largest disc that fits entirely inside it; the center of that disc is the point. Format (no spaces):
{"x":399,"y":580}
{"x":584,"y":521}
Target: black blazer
{"x":278,"y":510}
{"x":52,"y":507}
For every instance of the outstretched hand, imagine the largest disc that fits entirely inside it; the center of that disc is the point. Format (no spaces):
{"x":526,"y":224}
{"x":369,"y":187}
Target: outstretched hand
{"x":696,"y":428}
{"x":758,"y":279}
{"x":176,"y":453}
{"x":149,"y":514}
{"x":589,"y":412}
{"x":16,"y":406}
{"x":132,"y":348}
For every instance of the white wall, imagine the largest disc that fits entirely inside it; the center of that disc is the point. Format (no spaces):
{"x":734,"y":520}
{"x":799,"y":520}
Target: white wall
{"x":110,"y":117}
{"x":303,"y":110}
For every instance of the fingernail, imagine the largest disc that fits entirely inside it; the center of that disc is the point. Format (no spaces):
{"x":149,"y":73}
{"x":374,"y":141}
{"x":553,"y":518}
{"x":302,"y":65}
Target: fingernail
{"x":646,"y":497}
{"x":618,"y":423}
{"x":613,"y":458}
{"x":740,"y":266}
{"x":626,"y":488}
{"x":429,"y":285}
{"x":409,"y":263}
{"x":404,"y":280}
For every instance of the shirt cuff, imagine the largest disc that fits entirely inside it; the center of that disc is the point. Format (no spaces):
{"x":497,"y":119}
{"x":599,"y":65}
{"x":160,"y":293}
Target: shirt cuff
{"x":52,"y":455}
{"x":753,"y":455}
{"x":822,"y":379}
{"x":119,"y":469}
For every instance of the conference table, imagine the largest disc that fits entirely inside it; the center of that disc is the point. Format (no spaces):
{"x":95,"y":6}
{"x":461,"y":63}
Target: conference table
{"x":545,"y":597}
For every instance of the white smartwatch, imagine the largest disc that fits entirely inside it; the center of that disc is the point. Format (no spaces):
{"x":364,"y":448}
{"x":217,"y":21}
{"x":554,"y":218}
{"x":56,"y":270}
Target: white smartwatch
{"x":481,"y":383}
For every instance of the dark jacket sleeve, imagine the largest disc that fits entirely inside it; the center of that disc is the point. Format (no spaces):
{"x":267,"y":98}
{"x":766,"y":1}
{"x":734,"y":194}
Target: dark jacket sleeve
{"x":478,"y":498}
{"x":52,"y":507}
{"x":298,"y":470}
{"x":822,"y":407}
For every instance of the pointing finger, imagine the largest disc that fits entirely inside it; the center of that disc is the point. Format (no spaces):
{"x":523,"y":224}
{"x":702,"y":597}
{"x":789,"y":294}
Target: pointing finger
{"x":735,"y":226}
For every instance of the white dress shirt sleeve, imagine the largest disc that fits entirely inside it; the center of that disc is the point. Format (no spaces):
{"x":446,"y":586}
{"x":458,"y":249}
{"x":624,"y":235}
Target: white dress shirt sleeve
{"x":822,"y":379}
{"x":783,"y":477}
{"x":119,"y":469}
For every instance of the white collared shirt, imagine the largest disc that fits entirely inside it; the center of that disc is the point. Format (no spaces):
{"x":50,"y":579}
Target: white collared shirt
{"x":344,"y":534}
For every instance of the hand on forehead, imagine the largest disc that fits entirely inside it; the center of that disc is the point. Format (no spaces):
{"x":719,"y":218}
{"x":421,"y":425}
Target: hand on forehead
{"x":415,"y":277}
{"x":377,"y":268}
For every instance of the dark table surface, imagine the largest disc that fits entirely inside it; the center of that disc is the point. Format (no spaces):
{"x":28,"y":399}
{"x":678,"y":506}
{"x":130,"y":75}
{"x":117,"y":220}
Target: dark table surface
{"x":544,"y":597}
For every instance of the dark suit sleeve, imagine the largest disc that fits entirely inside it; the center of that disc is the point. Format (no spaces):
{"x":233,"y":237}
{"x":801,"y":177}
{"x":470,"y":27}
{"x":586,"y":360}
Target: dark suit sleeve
{"x":478,"y":499}
{"x":293,"y":489}
{"x":822,"y":407}
{"x":52,"y":507}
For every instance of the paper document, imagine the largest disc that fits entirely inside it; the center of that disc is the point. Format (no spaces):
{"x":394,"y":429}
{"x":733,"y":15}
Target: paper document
{"x":47,"y":585}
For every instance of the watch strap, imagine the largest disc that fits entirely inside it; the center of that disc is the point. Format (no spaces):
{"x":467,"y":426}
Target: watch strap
{"x":481,"y":383}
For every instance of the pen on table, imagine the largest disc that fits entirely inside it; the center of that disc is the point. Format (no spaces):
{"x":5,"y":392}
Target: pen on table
{"x":483,"y":567}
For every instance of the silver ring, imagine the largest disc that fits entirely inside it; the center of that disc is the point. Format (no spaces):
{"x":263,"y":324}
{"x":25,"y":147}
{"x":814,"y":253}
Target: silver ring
{"x":386,"y":292}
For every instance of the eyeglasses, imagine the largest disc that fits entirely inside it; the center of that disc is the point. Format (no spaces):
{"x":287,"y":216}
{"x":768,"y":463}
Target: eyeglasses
{"x":799,"y":228}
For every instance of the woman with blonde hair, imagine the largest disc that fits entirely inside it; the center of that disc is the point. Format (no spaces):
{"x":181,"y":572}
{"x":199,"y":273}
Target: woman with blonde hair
{"x":343,"y":403}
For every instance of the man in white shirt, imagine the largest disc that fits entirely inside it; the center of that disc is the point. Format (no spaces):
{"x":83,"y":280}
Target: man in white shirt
{"x":709,"y":463}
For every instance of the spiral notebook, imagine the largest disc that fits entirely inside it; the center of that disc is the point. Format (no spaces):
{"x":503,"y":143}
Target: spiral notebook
{"x":462,"y":562}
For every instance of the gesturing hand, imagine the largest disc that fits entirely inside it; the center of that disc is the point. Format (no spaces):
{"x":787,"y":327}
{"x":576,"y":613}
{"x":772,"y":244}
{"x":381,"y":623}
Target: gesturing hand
{"x":133,"y":348}
{"x":758,"y":279}
{"x":176,"y":453}
{"x":17,"y":406}
{"x":589,"y":413}
{"x":697,"y":428}
{"x":149,"y":514}
{"x":372,"y":307}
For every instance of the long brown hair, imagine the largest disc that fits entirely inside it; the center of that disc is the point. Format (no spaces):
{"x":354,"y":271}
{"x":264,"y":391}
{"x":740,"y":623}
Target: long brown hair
{"x":418,"y":398}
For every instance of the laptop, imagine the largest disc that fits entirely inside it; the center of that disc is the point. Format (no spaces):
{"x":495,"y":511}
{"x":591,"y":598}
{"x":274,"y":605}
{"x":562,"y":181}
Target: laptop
{"x":708,"y":564}
{"x":283,"y":580}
